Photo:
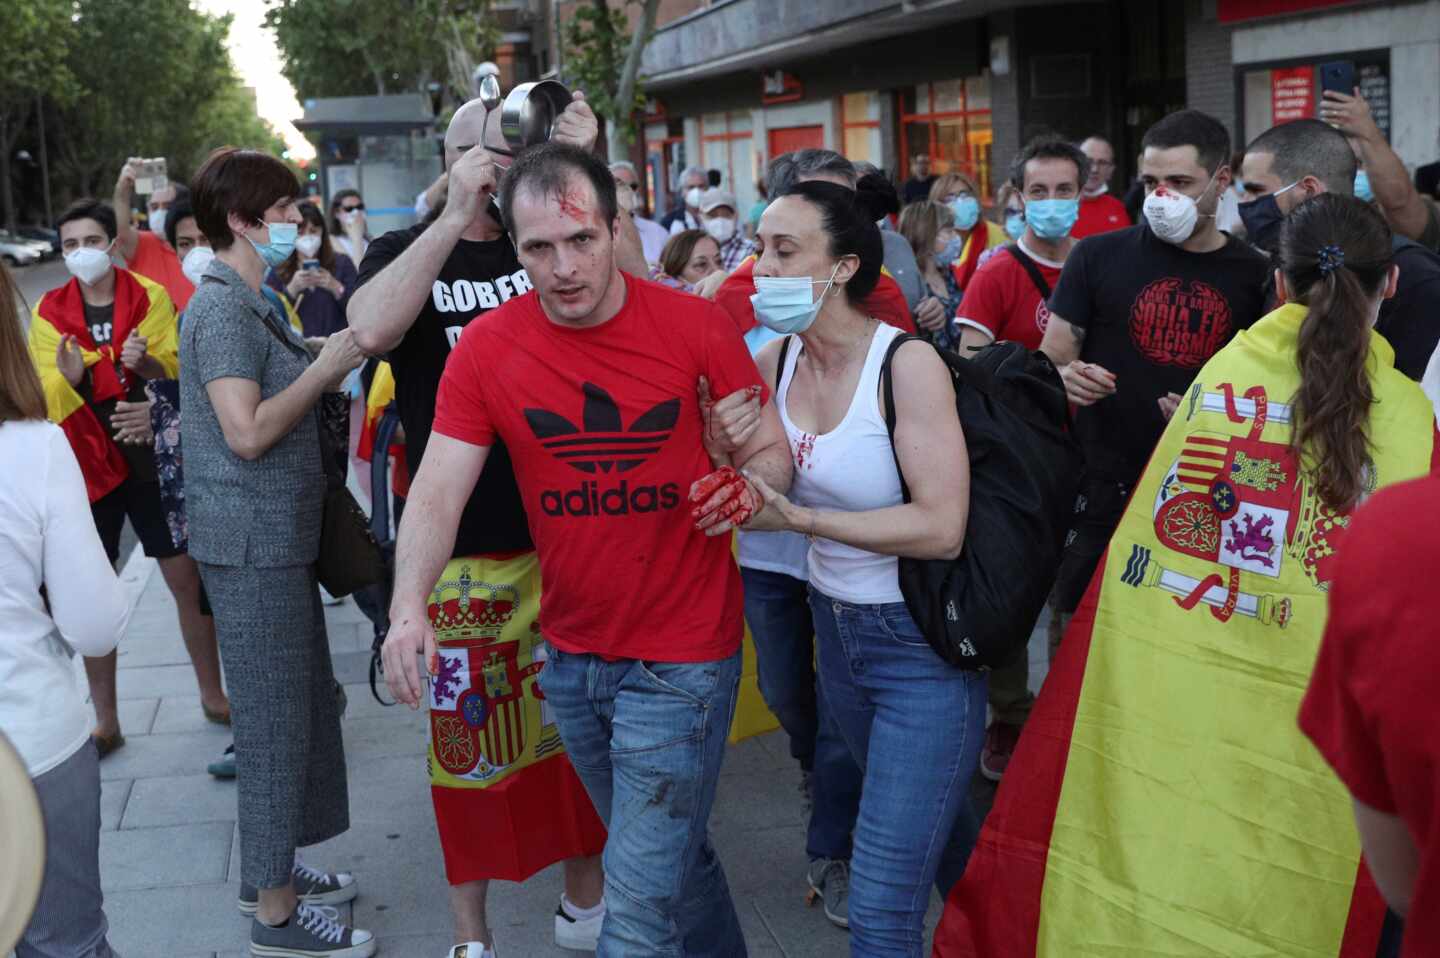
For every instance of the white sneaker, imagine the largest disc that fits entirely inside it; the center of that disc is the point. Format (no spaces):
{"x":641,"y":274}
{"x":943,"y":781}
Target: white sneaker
{"x":472,"y":949}
{"x":577,"y":934}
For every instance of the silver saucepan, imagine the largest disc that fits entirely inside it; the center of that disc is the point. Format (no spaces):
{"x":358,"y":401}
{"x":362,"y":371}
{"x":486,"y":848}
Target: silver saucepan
{"x":527,"y":113}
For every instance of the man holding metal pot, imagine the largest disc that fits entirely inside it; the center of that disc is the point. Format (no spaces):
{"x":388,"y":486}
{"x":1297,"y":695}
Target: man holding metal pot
{"x":507,"y":802}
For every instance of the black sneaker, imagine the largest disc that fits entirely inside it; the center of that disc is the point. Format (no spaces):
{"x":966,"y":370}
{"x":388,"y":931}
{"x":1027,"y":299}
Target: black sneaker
{"x":312,"y":887}
{"x":313,"y":931}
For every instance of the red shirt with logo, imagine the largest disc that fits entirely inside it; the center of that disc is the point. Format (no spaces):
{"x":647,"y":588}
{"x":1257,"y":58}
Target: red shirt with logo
{"x":1370,"y":707}
{"x":604,"y":431}
{"x":1004,"y":301}
{"x":1100,"y":214}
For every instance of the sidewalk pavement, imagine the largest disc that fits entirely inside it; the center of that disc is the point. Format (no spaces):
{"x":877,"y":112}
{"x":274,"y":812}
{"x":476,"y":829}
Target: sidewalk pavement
{"x":169,"y":851}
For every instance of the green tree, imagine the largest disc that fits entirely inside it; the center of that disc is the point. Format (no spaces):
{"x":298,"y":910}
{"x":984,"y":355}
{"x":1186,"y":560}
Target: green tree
{"x":33,"y":66}
{"x":362,"y":47}
{"x":602,"y":57}
{"x":158,"y":82}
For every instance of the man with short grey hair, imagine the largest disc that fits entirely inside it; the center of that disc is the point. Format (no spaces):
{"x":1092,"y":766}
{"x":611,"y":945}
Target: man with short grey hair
{"x":692,"y":181}
{"x":627,"y":191}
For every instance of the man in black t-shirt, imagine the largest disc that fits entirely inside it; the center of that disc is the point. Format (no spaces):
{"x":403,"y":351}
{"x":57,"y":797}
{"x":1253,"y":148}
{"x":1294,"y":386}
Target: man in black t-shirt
{"x":1135,"y":315}
{"x":1287,"y":165}
{"x":917,"y":188}
{"x":417,"y":290}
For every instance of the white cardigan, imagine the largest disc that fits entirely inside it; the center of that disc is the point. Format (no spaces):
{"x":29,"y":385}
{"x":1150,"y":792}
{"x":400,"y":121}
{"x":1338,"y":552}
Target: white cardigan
{"x":47,"y":536}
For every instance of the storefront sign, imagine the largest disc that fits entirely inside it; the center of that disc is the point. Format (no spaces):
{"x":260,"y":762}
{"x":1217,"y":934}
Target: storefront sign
{"x":779,"y":87}
{"x":1234,"y":11}
{"x":1292,"y":93}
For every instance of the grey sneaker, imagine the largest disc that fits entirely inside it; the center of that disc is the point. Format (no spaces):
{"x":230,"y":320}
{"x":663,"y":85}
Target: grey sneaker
{"x":830,"y":882}
{"x":312,"y":887}
{"x":313,"y":931}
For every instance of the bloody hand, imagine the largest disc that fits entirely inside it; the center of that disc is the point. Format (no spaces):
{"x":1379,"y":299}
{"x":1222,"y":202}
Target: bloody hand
{"x":723,"y":500}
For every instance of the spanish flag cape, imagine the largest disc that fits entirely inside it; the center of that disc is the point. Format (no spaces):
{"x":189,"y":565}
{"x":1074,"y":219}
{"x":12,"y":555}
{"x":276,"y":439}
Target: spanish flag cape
{"x":140,"y":305}
{"x":382,"y":393}
{"x":1162,"y":800}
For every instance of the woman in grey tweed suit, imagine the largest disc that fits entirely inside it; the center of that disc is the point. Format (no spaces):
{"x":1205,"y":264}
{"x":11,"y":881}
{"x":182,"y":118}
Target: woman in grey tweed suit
{"x":253,"y":477}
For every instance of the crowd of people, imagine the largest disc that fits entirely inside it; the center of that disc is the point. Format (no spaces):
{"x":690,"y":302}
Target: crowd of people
{"x":749,"y":418}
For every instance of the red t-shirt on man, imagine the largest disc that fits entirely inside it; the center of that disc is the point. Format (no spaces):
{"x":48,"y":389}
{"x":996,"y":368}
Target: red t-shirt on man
{"x":157,"y":262}
{"x":1370,"y":708}
{"x":886,"y":301}
{"x":1004,"y":301}
{"x":603,"y":427}
{"x":1100,"y":214}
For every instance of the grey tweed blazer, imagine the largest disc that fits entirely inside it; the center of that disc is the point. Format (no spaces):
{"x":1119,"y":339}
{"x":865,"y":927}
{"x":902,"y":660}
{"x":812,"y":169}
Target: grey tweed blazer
{"x":264,"y":513}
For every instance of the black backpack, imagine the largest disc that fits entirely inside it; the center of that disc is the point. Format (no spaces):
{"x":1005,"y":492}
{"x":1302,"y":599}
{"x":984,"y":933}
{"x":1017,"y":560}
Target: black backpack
{"x":977,"y":611}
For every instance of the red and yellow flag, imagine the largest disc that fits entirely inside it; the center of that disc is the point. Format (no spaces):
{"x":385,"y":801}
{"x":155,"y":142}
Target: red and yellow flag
{"x":1162,"y":800}
{"x":140,"y":305}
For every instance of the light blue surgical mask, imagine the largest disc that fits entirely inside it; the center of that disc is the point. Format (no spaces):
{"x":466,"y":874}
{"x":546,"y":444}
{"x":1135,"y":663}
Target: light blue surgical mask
{"x":787,"y":304}
{"x":1052,"y":219}
{"x":966,"y":210}
{"x":281,"y":245}
{"x":949,"y":254}
{"x":1015,"y":226}
{"x":1362,"y":187}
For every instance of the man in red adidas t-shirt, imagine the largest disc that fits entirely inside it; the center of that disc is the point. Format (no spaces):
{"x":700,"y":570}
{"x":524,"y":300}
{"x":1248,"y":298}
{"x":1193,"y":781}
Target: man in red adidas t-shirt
{"x":1006,"y":299}
{"x":592,"y":384}
{"x":886,"y":303}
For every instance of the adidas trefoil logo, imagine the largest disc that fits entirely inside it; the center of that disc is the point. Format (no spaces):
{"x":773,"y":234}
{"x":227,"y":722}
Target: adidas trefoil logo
{"x":602,"y":443}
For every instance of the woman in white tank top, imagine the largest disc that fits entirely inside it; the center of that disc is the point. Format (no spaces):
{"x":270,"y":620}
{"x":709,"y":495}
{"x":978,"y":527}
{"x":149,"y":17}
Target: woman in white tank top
{"x":913,"y":722}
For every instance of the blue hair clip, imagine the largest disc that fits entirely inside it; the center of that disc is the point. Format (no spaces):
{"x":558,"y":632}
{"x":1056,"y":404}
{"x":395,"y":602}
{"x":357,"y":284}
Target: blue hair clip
{"x":1331,"y":258}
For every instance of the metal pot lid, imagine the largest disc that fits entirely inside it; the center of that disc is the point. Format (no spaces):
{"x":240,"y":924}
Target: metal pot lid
{"x":528,"y":115}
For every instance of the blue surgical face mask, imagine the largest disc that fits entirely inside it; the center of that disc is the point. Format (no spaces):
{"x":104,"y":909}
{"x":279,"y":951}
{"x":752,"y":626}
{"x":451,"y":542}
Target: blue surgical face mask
{"x":966,"y":210}
{"x":1362,"y":187}
{"x":1052,"y":219}
{"x":949,"y":254}
{"x":787,"y":304}
{"x":1015,"y":225}
{"x":281,"y":245}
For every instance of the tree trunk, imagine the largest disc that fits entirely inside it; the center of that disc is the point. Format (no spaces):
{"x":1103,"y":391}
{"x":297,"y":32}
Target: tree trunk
{"x":5,"y":194}
{"x":622,"y":122}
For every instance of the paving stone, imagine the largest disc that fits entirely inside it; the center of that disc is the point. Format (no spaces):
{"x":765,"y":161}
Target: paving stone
{"x":137,"y":716}
{"x":182,"y":713}
{"x":183,"y":920}
{"x":184,"y":800}
{"x":156,"y":681}
{"x":113,"y":795}
{"x":160,"y":857}
{"x":151,"y":756}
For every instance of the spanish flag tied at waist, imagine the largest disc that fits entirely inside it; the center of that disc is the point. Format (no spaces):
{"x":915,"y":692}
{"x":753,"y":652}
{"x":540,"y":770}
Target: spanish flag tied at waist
{"x":1162,"y":800}
{"x":140,"y":306}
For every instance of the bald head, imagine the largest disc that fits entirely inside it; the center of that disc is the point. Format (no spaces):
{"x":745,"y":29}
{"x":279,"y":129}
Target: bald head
{"x":467,"y":128}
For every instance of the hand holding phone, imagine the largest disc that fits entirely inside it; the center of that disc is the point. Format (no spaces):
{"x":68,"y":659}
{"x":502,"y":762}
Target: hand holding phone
{"x":151,"y":176}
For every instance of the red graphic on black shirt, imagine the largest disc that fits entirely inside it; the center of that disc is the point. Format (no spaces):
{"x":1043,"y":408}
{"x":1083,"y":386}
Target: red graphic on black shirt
{"x":1042,"y":315}
{"x":1177,"y":324}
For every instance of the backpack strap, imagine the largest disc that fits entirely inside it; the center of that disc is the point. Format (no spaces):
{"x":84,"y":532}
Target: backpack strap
{"x":887,"y":389}
{"x":1031,"y":268}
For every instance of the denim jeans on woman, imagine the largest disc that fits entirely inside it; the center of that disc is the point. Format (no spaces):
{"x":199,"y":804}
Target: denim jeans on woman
{"x":647,"y":740}
{"x":777,"y":607}
{"x":915,"y":725}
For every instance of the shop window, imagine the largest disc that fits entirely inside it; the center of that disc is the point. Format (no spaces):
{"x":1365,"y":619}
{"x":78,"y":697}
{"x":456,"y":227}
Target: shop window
{"x":1273,"y":93}
{"x":726,"y":145}
{"x":860,"y":125}
{"x":950,"y":122}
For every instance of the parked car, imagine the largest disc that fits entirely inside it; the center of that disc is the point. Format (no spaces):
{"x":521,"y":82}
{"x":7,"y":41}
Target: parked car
{"x":43,"y":234}
{"x":19,"y":252}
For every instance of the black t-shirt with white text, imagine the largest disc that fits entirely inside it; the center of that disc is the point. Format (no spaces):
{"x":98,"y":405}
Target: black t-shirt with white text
{"x":140,"y":458}
{"x":476,"y":278}
{"x":1152,"y":314}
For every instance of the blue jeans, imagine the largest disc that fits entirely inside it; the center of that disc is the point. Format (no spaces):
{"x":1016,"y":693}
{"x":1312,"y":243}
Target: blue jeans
{"x":777,"y":608}
{"x":647,"y":740}
{"x":915,"y":725}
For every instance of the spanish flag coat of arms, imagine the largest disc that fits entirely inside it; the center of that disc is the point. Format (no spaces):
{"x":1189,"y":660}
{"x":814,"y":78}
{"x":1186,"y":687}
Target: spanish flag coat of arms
{"x":1162,"y":800}
{"x":140,"y":306}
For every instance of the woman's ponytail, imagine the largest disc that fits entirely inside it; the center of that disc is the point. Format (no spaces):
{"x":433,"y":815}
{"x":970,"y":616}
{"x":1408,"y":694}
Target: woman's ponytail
{"x":1335,"y":254}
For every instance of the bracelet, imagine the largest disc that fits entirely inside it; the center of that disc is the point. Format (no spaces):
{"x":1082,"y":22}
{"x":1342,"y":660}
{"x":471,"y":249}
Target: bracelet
{"x":814,"y":514}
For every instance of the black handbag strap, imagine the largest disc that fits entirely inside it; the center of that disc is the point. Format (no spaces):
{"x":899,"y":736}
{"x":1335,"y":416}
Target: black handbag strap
{"x":1031,"y":268}
{"x":333,"y":478}
{"x":780,"y":367}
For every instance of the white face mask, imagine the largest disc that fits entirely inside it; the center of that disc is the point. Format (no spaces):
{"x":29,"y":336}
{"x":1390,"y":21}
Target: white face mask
{"x":722,"y":228}
{"x":1172,"y":216}
{"x":88,"y":264}
{"x":692,"y":198}
{"x":157,"y":221}
{"x":307,"y":246}
{"x":196,"y":262}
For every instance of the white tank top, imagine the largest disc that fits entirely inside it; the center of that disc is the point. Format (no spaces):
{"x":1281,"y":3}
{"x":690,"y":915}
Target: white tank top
{"x":849,"y":469}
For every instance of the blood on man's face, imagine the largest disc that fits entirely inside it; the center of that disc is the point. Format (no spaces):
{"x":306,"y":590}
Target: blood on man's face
{"x":566,"y":247}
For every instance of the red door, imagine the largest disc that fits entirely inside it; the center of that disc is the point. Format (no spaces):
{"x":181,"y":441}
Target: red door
{"x":790,"y":138}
